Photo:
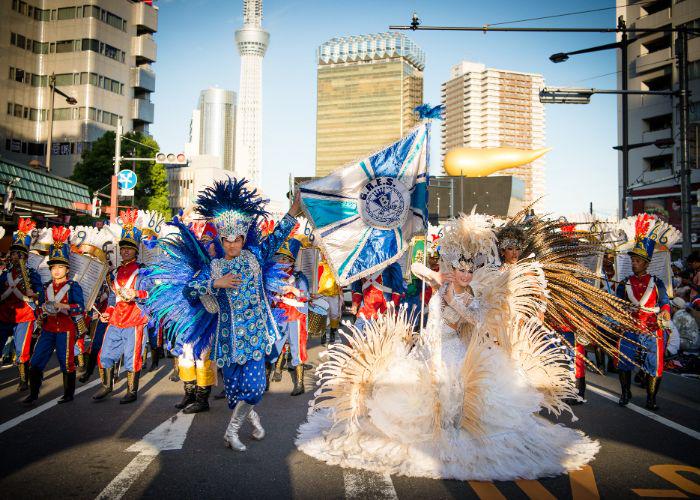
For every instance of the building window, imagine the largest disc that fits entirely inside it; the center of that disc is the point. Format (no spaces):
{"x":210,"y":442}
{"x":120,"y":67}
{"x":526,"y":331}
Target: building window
{"x":662,"y":162}
{"x":661,"y":122}
{"x":662,"y":82}
{"x":661,"y":43}
{"x":654,"y":7}
{"x":66,"y":13}
{"x":64,"y":46}
{"x":41,"y":47}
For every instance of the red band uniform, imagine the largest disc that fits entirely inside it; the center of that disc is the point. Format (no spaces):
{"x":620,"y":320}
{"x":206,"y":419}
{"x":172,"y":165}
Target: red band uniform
{"x":61,"y":304}
{"x":17,"y":311}
{"x":126,"y":329}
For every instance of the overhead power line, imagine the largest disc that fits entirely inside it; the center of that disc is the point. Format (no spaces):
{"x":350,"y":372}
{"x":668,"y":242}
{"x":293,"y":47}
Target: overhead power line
{"x":554,"y":16}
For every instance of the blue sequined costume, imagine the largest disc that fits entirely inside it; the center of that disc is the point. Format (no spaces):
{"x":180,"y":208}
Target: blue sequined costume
{"x":246,"y":329}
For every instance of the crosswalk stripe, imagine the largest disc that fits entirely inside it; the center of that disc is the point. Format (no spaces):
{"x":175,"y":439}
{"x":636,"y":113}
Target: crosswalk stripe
{"x":360,"y":484}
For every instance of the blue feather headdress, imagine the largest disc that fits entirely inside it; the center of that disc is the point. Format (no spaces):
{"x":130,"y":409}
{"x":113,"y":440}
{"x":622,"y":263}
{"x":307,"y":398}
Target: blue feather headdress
{"x":232,"y":207}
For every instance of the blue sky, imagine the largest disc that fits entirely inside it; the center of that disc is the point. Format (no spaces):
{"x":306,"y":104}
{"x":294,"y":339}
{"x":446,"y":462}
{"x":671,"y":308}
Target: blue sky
{"x":196,"y":50}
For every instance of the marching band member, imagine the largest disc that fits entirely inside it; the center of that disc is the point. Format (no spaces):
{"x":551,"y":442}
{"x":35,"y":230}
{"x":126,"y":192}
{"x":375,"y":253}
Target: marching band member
{"x":648,"y":293}
{"x":19,"y":286}
{"x":61,"y":306}
{"x":294,"y":302}
{"x":371,"y":295}
{"x":125,"y":331}
{"x":328,"y":289}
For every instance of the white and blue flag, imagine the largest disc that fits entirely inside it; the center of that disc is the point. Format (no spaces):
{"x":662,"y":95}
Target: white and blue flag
{"x":366,"y":213}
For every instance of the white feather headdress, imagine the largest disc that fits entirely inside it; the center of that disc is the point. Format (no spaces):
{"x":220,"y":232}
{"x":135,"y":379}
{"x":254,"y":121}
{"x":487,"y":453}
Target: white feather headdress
{"x":471,"y":238}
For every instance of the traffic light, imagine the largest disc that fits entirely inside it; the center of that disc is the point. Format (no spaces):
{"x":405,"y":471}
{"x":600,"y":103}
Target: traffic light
{"x":96,"y":207}
{"x":8,"y":202}
{"x":171,"y":158}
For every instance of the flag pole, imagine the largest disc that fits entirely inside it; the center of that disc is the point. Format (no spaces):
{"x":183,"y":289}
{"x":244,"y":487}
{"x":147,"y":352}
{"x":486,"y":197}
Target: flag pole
{"x":427,"y":229}
{"x":422,"y":293}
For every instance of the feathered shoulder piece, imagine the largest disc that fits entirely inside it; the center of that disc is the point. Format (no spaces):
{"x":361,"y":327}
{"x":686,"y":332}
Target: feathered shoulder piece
{"x":572,"y":300}
{"x":183,"y":318}
{"x":467,"y":237}
{"x":233,"y":207}
{"x":646,"y":233}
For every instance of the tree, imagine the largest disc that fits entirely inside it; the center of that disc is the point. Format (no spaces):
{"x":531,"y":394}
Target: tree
{"x":96,"y":168}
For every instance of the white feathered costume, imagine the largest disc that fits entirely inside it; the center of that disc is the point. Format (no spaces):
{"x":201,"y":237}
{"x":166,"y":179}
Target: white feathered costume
{"x":461,"y":402}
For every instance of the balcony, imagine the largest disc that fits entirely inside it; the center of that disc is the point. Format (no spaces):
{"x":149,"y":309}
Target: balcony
{"x":656,"y":135}
{"x":652,"y":61}
{"x":656,"y":20}
{"x":145,"y":18}
{"x":142,"y":111}
{"x":144,"y":78}
{"x":144,"y":49}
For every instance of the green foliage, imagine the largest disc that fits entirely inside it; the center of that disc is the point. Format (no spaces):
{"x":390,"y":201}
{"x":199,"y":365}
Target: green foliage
{"x":96,"y":168}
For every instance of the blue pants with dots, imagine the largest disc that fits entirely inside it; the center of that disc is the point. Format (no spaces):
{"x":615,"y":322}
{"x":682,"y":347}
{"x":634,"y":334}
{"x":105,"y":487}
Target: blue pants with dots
{"x":244,"y":382}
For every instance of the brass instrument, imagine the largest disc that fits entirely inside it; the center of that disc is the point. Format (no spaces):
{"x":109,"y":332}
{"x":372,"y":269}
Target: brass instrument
{"x":25,"y":278}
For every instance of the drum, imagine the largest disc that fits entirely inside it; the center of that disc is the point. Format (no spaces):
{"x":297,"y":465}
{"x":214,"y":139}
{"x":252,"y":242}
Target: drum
{"x":317,"y":317}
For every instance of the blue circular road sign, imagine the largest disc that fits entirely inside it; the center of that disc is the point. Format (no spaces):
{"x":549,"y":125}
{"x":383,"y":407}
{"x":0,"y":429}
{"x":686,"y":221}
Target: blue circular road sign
{"x":126,"y":179}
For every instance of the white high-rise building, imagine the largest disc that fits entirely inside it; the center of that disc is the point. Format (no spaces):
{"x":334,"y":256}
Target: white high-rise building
{"x":486,"y":108}
{"x":217,"y":125}
{"x":252,"y":41}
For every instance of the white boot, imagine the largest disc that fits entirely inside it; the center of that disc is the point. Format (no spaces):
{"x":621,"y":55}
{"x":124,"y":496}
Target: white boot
{"x":258,"y":431}
{"x":240,"y":412}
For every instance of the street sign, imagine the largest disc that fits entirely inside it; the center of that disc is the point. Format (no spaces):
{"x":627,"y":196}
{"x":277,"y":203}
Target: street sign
{"x":123,"y":193}
{"x":126,"y":179}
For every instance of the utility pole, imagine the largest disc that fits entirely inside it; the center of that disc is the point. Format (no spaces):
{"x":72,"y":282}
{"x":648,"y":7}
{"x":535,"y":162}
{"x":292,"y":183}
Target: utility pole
{"x":626,"y":206}
{"x":686,"y":216}
{"x":114,"y":198}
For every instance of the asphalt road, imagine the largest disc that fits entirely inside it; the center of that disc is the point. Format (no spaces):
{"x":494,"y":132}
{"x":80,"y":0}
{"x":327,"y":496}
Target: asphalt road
{"x":87,"y":450}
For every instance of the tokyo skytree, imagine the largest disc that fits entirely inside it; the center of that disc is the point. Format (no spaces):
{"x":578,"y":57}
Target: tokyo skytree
{"x":252,"y":41}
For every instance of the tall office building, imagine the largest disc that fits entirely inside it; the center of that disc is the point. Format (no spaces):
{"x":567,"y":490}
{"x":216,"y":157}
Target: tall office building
{"x":210,"y":149}
{"x":101,"y":55}
{"x":368,"y":86}
{"x":652,"y":65}
{"x":217,"y":125}
{"x":252,"y":41}
{"x":487,"y":108}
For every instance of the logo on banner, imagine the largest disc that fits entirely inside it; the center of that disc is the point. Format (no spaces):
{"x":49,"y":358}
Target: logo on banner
{"x":385,"y":203}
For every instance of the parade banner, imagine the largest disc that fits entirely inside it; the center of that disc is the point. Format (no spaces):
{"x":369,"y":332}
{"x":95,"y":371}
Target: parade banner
{"x":365,"y":214}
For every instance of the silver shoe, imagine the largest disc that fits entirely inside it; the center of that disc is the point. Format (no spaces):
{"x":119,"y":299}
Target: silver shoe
{"x":258,"y":431}
{"x":240,"y":412}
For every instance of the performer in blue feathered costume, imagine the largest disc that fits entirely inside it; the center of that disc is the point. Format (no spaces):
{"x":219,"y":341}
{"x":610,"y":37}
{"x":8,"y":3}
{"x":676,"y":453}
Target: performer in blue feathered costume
{"x":225,"y":302}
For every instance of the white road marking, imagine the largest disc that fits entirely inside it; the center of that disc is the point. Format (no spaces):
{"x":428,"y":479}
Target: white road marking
{"x":360,"y":484}
{"x":643,"y":411}
{"x":41,"y":409}
{"x":170,"y":435}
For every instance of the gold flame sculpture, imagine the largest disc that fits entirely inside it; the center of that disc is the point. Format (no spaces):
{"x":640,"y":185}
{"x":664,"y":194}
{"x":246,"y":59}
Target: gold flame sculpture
{"x":473,"y":162}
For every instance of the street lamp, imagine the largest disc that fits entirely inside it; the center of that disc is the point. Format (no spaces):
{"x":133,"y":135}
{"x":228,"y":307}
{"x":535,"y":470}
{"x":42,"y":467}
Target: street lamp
{"x":624,"y":42}
{"x":70,"y":100}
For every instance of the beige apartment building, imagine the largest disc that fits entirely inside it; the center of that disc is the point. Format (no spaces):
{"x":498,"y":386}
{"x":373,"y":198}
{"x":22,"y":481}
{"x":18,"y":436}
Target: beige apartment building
{"x":652,"y":65}
{"x":368,"y":86}
{"x":100,"y":52}
{"x":486,"y":108}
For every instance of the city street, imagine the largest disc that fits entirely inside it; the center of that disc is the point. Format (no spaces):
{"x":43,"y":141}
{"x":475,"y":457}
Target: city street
{"x":107,"y":450}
